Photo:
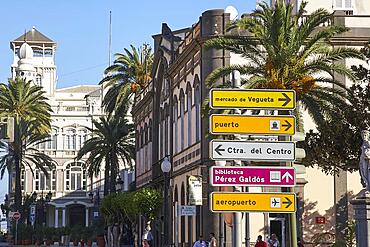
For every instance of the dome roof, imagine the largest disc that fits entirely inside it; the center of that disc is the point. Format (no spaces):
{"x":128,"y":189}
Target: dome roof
{"x":25,"y":51}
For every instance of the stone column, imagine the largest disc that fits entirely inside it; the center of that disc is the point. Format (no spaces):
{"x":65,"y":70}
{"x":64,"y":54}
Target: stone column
{"x":361,"y":206}
{"x":56,"y":222}
{"x":64,"y":217}
{"x":87,"y":216}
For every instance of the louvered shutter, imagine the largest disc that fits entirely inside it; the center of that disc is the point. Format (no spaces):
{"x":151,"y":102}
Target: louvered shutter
{"x":348,"y":4}
{"x":338,"y":4}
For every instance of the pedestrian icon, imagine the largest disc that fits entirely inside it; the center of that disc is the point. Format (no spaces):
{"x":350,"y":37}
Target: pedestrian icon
{"x":275,"y":202}
{"x":274,"y":124}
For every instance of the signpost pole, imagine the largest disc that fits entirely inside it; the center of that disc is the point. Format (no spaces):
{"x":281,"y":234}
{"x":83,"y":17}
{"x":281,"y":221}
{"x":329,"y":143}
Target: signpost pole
{"x":16,"y":231}
{"x":293,"y":217}
{"x":237,"y":220}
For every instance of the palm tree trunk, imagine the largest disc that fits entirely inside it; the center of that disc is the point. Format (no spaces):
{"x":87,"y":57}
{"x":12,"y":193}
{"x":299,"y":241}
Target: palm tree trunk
{"x":17,"y":167}
{"x":106,"y":177}
{"x":113,"y":173}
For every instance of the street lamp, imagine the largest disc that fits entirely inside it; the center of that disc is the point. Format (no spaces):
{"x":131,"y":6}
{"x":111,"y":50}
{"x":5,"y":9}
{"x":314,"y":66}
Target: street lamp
{"x":119,"y":184}
{"x":166,"y":168}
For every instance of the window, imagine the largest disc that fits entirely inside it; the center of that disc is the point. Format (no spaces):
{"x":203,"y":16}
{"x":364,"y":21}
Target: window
{"x":37,"y":52}
{"x":189,"y":103}
{"x":197,"y":112}
{"x":48,"y":53}
{"x":23,"y":180}
{"x":182,"y":113}
{"x":175,"y":122}
{"x":75,"y":176}
{"x":342,"y":5}
{"x":70,"y":139}
{"x":81,"y":138}
{"x":38,"y":80}
{"x":43,"y":182}
{"x":52,"y":143}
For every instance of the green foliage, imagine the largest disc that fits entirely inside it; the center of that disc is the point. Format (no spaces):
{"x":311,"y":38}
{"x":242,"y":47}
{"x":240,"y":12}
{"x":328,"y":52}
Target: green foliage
{"x":112,"y":143}
{"x":123,"y":207}
{"x":337,"y":144}
{"x":27,"y":104}
{"x":285,"y":50}
{"x":149,"y":201}
{"x":129,"y":73}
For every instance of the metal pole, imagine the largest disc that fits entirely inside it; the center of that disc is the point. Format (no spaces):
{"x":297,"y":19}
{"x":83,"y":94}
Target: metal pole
{"x":16,"y":232}
{"x":293,"y":218}
{"x":176,"y":224}
{"x":165,"y":218}
{"x":237,"y":219}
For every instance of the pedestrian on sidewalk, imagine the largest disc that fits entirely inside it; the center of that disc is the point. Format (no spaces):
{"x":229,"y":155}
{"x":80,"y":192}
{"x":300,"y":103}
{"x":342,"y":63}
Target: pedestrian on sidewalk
{"x":200,"y":242}
{"x":260,"y":242}
{"x":274,"y":242}
{"x":212,"y":241}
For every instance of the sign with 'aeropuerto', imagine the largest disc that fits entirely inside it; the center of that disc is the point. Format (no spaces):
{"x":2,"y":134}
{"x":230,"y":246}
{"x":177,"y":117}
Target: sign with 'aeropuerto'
{"x":252,"y":150}
{"x":252,"y":98}
{"x":253,"y":202}
{"x":252,"y":176}
{"x":252,"y":124}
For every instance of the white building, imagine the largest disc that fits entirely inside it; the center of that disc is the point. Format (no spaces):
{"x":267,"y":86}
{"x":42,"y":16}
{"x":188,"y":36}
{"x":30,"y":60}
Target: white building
{"x":74,"y":108}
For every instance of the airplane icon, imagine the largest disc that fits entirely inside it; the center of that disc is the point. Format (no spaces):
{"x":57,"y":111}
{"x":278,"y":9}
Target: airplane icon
{"x":275,"y":202}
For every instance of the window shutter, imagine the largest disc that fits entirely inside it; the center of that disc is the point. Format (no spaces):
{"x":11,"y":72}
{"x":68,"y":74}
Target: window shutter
{"x":338,"y":4}
{"x":348,"y":4}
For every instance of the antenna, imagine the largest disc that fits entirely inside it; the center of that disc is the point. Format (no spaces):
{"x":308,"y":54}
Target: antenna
{"x":232,"y":11}
{"x":110,"y":37}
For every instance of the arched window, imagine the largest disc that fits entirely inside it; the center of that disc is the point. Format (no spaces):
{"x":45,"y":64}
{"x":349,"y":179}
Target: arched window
{"x":167,"y":130}
{"x":43,"y":182}
{"x":150,"y":130}
{"x":197,"y":112}
{"x":182,"y":113}
{"x":53,"y":139}
{"x":70,"y":139}
{"x":81,"y":137}
{"x":38,"y":80}
{"x":188,"y":106}
{"x":75,"y":176}
{"x":141,"y":137}
{"x":175,"y":124}
{"x":146,"y":133}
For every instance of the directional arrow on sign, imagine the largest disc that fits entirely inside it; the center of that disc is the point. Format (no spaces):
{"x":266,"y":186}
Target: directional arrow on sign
{"x":287,"y":177}
{"x":219,"y":149}
{"x":287,"y":125}
{"x":288,"y":202}
{"x":286,"y":99}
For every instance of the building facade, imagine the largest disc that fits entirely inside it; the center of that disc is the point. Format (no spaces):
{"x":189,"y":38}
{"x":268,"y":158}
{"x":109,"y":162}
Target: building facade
{"x":74,"y":196}
{"x":171,"y":121}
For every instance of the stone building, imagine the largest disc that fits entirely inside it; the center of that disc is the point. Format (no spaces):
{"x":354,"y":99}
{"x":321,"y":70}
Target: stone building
{"x":171,"y":122}
{"x":74,"y":199}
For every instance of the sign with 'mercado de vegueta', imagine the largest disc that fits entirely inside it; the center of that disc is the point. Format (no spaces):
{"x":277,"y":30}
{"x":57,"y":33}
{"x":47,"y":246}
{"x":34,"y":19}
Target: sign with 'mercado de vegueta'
{"x":252,"y":124}
{"x":252,"y":98}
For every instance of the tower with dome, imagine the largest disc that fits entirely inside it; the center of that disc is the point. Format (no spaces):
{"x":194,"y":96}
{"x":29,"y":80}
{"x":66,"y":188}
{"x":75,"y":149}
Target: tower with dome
{"x":74,"y":108}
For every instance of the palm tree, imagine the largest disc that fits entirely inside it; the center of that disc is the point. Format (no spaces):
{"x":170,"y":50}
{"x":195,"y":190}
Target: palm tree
{"x":130,"y":72}
{"x":112,"y":143}
{"x":289,"y":51}
{"x":26,"y":103}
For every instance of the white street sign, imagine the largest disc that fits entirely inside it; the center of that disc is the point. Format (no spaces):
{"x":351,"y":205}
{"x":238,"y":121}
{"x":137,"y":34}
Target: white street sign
{"x":252,"y":150}
{"x":187,"y":210}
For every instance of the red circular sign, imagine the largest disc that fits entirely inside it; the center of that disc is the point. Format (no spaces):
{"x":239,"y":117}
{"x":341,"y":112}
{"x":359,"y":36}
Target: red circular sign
{"x":16,"y":215}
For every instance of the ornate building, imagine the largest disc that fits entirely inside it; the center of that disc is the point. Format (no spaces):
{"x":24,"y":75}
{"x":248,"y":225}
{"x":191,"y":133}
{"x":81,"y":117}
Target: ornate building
{"x":74,"y":108}
{"x":171,"y":122}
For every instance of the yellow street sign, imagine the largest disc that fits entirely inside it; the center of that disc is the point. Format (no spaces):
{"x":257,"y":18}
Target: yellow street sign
{"x":252,"y":99}
{"x":253,"y":202}
{"x":252,"y":124}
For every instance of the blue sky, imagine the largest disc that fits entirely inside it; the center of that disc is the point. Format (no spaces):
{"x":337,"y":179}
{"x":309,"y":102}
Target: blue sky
{"x":80,"y":27}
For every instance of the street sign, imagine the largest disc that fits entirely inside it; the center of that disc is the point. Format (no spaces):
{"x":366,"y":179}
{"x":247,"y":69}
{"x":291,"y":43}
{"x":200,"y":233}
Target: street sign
{"x":32,"y":213}
{"x":185,"y":210}
{"x":16,"y":216}
{"x":256,"y":150}
{"x":252,"y":124}
{"x":253,"y":202}
{"x":252,"y":176}
{"x":252,"y":99}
